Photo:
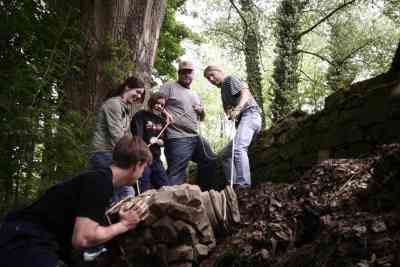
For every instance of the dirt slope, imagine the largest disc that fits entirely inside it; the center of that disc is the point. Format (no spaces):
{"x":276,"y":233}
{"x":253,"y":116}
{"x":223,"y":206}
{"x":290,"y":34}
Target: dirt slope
{"x":340,"y":213}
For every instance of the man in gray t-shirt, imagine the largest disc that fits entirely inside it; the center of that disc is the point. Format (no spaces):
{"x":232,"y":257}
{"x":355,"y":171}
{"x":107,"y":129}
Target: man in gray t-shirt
{"x":241,"y":107}
{"x":183,"y":141}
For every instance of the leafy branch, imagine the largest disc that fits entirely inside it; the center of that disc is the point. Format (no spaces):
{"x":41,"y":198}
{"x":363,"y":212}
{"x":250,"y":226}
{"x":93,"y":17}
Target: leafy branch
{"x":345,"y":4}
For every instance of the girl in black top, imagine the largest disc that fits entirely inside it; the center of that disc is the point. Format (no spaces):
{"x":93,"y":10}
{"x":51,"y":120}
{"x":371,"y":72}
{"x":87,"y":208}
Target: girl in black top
{"x":148,"y":124}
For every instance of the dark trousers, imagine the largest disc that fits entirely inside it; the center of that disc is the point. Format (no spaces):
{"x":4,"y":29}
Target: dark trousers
{"x":155,"y":175}
{"x":179,"y":151}
{"x":26,"y":245}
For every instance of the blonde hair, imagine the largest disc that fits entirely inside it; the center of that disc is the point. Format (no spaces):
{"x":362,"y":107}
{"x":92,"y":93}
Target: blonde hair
{"x":211,"y":68}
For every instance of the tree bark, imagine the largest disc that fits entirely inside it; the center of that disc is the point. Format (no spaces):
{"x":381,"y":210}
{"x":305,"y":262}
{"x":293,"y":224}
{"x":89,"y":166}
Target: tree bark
{"x":107,"y":27}
{"x":144,"y":23}
{"x":396,"y":60}
{"x":251,"y":46}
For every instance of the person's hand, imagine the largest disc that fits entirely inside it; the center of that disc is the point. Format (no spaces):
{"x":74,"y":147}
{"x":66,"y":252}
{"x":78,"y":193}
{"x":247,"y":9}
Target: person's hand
{"x":153,"y":140}
{"x":170,"y":119}
{"x":234,"y":113}
{"x":149,"y":125}
{"x":130,"y":218}
{"x":160,"y":142}
{"x":198,"y":109}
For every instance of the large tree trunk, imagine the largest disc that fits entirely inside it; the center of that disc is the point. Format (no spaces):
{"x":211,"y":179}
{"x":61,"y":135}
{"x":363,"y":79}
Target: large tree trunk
{"x":121,"y":40}
{"x":144,"y":23}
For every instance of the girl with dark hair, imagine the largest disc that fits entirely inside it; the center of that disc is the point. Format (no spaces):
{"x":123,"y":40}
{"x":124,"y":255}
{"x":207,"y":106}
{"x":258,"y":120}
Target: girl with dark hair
{"x":113,"y":122}
{"x":129,"y":83}
{"x":148,"y":124}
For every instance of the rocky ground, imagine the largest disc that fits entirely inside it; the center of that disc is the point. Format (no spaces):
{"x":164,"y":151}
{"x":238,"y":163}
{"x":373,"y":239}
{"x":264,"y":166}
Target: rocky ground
{"x":342,"y":212}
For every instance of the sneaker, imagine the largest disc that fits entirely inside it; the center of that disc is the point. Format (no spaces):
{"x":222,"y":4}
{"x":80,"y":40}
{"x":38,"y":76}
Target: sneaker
{"x":93,"y":253}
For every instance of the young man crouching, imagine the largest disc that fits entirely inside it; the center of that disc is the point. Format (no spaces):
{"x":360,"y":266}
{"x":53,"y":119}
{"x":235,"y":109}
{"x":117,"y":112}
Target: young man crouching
{"x":71,"y":213}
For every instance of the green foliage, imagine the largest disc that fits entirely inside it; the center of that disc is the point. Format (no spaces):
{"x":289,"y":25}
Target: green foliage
{"x":169,"y":46}
{"x":343,"y":70}
{"x":286,"y":77}
{"x":66,"y":150}
{"x":392,"y":10}
{"x":312,"y":88}
{"x":37,"y":49}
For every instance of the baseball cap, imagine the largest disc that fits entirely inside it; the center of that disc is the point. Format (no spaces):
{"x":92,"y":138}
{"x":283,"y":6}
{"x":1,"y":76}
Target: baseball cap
{"x":185,"y":65}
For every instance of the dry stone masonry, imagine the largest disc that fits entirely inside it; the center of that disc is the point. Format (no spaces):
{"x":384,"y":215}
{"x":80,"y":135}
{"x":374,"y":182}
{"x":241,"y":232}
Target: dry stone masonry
{"x":352,"y":124}
{"x":182,"y":227}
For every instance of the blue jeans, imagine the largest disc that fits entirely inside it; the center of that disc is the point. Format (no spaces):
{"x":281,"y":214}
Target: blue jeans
{"x":249,"y":124}
{"x":179,"y":151}
{"x":102,"y":159}
{"x":154,"y":174}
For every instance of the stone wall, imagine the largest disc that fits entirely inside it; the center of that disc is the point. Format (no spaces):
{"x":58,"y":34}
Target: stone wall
{"x":353,"y":121}
{"x":181,"y":228}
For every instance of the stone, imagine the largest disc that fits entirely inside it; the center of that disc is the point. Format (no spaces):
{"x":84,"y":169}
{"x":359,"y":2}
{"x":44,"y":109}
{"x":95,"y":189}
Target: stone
{"x":186,"y":233}
{"x":323,"y":154}
{"x":181,"y":253}
{"x":268,"y":155}
{"x":358,"y":149}
{"x":283,"y":138}
{"x":181,"y":264}
{"x":362,"y":264}
{"x":288,"y":151}
{"x":181,"y":226}
{"x":394,"y":112}
{"x":164,"y":231}
{"x":201,"y":250}
{"x":378,"y":227}
{"x":216,"y":200}
{"x":269,"y":141}
{"x":281,"y":173}
{"x":161,"y":250}
{"x":232,"y":204}
{"x":209,"y":209}
{"x":352,"y":134}
{"x":265,"y":254}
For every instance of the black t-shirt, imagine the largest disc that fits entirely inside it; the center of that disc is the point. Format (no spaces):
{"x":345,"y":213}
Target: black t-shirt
{"x":86,"y":195}
{"x":147,"y":125}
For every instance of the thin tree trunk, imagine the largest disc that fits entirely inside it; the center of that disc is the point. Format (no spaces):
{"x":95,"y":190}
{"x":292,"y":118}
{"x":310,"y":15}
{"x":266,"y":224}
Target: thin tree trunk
{"x":252,"y":50}
{"x":285,"y":75}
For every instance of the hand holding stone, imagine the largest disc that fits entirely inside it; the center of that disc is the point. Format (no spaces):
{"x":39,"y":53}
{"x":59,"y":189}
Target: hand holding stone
{"x":133,"y":216}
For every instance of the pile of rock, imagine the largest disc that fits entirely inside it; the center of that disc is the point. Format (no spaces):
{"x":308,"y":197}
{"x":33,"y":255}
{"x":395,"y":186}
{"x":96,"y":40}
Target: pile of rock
{"x":182,"y":226}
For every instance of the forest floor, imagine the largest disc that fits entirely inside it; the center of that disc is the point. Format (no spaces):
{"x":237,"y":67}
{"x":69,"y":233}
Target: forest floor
{"x":341,"y":212}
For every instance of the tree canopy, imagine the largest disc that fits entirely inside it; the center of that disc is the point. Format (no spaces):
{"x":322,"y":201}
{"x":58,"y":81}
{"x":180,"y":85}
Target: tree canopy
{"x":54,"y":72}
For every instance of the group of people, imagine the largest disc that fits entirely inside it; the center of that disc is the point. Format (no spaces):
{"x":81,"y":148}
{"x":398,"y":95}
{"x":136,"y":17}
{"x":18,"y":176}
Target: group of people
{"x":127,"y":148}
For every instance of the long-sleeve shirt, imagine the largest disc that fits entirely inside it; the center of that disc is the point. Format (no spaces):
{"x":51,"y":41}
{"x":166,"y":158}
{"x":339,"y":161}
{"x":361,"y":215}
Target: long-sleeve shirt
{"x":146,"y":125}
{"x":112,"y":123}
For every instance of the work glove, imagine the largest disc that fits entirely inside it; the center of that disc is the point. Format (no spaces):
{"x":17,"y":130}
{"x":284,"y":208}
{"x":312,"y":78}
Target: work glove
{"x":198,"y":109}
{"x":234,"y":113}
